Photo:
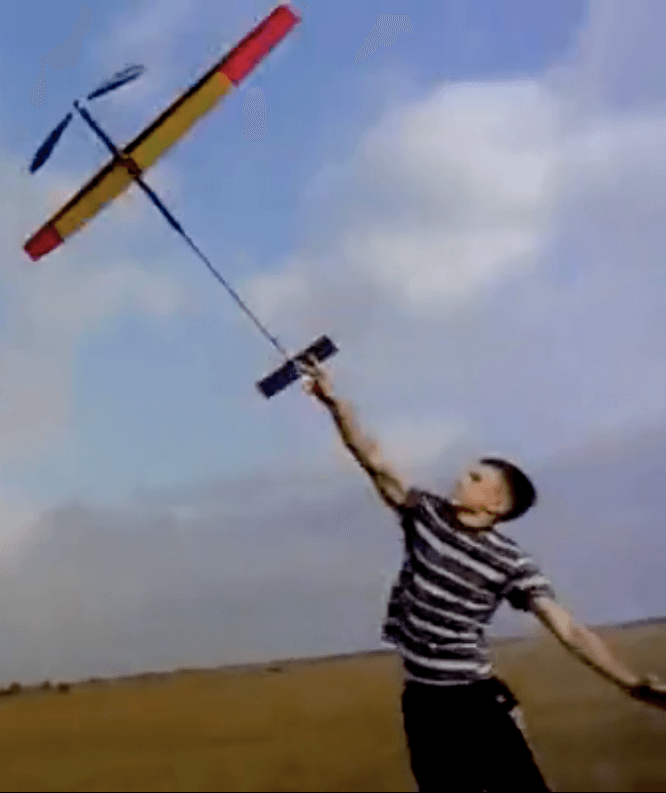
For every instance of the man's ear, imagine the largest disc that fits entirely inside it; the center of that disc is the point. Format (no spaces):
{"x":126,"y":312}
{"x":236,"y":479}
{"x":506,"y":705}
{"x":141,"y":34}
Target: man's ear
{"x":504,"y":500}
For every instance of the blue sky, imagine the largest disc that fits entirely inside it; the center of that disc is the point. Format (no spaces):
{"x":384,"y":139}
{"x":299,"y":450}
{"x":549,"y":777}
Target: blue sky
{"x":472,"y":212}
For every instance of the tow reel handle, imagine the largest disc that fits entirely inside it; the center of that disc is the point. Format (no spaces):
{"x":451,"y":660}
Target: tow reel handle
{"x":289,"y":372}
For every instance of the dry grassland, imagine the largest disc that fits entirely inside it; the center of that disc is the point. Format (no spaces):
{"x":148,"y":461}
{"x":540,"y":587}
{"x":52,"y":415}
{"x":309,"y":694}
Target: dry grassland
{"x":332,"y":725}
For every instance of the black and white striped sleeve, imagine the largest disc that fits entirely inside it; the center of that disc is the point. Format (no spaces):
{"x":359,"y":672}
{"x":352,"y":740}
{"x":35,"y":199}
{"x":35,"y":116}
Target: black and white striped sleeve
{"x":527,"y":582}
{"x":413,"y":500}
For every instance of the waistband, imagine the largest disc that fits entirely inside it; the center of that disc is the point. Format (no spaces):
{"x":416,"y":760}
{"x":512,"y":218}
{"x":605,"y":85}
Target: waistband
{"x":491,"y":687}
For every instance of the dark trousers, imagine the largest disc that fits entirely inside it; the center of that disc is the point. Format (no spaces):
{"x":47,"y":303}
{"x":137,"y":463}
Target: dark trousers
{"x":463,"y":739}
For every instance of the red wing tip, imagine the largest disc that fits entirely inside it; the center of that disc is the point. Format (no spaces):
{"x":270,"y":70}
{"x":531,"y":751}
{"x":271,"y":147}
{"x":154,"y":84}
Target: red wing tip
{"x":259,"y":42}
{"x":43,"y":242}
{"x":285,"y":11}
{"x":287,"y":8}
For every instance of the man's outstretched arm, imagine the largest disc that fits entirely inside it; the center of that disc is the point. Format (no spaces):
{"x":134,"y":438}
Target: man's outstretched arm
{"x":589,"y":648}
{"x":366,"y":451}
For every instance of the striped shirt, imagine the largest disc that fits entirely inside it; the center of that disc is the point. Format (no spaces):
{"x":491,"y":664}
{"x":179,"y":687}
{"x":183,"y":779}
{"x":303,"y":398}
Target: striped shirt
{"x":451,"y":583}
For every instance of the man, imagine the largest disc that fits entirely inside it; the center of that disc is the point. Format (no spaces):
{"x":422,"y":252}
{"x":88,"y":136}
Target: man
{"x":462,"y":724}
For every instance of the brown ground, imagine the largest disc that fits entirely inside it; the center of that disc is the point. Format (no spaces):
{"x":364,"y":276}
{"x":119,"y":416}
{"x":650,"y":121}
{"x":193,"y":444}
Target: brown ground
{"x":331,"y":725}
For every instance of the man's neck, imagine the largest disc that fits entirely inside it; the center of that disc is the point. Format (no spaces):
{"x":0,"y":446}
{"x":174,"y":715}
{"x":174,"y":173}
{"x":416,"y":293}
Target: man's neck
{"x":473,"y":521}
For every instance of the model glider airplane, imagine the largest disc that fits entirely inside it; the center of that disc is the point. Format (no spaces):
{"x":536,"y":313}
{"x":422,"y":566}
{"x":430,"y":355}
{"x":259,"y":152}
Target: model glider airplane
{"x":129,"y":164}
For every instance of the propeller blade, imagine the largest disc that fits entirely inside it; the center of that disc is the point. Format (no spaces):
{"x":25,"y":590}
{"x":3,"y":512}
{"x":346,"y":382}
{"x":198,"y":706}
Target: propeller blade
{"x":118,"y":79}
{"x":44,"y":151}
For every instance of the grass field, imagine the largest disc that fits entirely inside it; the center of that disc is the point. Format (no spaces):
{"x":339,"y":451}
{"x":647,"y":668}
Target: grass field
{"x":331,"y":725}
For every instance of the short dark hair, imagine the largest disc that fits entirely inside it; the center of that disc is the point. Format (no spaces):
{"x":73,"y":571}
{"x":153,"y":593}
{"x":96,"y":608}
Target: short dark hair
{"x":523,"y":492}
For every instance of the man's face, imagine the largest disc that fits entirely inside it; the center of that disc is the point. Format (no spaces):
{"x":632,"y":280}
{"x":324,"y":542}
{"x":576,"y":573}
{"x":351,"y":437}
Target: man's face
{"x":482,"y":488}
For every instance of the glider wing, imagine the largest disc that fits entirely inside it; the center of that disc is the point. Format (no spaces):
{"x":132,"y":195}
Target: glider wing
{"x":164,"y":132}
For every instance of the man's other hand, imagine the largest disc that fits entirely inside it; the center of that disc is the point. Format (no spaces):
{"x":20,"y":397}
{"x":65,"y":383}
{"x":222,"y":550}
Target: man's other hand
{"x":650,"y":690}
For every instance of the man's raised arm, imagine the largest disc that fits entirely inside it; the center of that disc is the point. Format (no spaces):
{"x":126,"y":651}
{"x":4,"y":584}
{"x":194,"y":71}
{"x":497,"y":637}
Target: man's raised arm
{"x":366,"y":451}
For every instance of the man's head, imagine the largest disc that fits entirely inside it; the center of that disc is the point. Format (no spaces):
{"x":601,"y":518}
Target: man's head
{"x":492,"y":491}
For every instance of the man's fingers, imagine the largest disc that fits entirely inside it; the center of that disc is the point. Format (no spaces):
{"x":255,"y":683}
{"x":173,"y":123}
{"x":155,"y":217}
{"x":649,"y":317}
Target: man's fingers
{"x":308,"y":374}
{"x":652,"y":691}
{"x":310,"y":368}
{"x":310,"y":362}
{"x":315,"y":378}
{"x":656,"y":685}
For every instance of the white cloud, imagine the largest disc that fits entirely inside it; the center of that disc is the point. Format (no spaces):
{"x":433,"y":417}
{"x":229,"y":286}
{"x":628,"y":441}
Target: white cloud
{"x":68,"y":302}
{"x":451,"y":194}
{"x":271,"y":292}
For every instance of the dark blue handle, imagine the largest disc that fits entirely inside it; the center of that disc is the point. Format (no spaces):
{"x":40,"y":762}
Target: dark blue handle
{"x":288,"y":373}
